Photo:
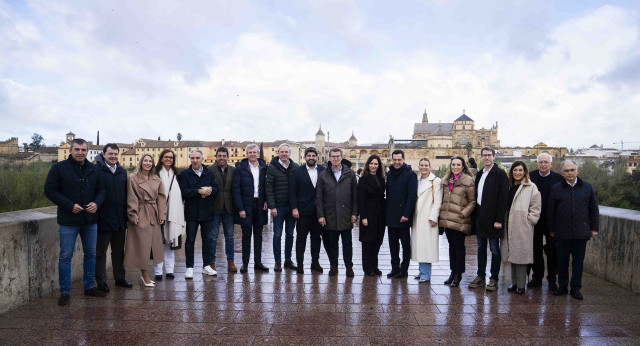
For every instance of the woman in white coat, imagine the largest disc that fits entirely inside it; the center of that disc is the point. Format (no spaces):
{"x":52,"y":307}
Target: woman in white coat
{"x":424,"y":233}
{"x":524,"y":212}
{"x":166,"y":170}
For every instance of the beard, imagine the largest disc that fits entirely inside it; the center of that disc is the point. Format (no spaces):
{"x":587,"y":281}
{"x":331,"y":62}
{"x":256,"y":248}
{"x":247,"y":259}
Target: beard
{"x":311,"y":163}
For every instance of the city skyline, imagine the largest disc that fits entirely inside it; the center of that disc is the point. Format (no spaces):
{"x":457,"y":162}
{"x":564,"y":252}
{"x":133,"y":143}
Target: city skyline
{"x":562,"y":73}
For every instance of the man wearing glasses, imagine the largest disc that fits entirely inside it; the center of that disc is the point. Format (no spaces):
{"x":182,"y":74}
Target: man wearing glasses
{"x":573,"y":219}
{"x":492,"y":197}
{"x":544,"y":178}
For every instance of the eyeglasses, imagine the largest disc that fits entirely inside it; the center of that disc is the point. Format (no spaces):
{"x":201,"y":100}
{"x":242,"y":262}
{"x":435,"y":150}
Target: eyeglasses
{"x":168,"y":157}
{"x":570,"y":170}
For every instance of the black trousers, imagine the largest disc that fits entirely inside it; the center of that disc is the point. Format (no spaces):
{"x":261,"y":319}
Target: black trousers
{"x":308,"y":225}
{"x":370,"y":257}
{"x":538,"y":258}
{"x":334,"y":247}
{"x":456,"y":250}
{"x":576,"y":249}
{"x":116,"y":239}
{"x":402,"y":235}
{"x":256,"y":230}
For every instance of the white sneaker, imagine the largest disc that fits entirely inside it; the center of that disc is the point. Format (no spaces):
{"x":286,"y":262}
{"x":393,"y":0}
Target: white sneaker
{"x":189,"y":273}
{"x":209,"y":271}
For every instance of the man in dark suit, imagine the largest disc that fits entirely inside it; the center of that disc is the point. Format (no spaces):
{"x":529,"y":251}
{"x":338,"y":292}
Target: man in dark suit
{"x":402,"y":192}
{"x":492,"y":197}
{"x":574,"y":218}
{"x":544,"y":178}
{"x":302,"y":198}
{"x":74,"y":186}
{"x":112,"y":217}
{"x":223,"y":206}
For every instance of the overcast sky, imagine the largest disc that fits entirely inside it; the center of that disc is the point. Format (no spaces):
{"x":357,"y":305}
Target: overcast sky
{"x":566,"y":73}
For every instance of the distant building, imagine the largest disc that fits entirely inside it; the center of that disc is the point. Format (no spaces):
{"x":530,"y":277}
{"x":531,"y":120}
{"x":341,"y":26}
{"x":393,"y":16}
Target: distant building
{"x":9,"y":147}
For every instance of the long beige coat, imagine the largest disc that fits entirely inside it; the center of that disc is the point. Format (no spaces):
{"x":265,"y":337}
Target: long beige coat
{"x":147,"y":202}
{"x":517,"y":244}
{"x":424,"y":238}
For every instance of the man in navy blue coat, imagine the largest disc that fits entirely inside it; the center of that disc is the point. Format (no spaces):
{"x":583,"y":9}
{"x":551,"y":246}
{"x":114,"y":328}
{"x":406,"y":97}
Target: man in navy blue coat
{"x":250,"y":205}
{"x":199,"y":187}
{"x":112,"y":217}
{"x":302,"y":199}
{"x":402,"y":192}
{"x":573,"y":219}
{"x":73,"y":185}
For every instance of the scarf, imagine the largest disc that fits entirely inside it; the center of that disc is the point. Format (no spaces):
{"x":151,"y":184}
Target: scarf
{"x":452,"y":179}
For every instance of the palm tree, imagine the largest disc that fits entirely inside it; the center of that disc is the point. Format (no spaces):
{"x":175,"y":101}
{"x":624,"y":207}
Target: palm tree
{"x":469,"y":148}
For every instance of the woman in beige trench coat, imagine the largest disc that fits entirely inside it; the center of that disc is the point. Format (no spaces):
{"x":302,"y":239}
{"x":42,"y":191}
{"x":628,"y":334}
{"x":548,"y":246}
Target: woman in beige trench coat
{"x":146,"y":210}
{"x":424,"y":232}
{"x":524,"y":212}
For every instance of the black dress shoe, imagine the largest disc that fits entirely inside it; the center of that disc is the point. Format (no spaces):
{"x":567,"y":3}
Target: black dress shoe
{"x":512,"y":288}
{"x":534,"y":283}
{"x":103,"y":287}
{"x":126,"y":284}
{"x":350,"y":272}
{"x":401,"y":275}
{"x":392,"y":273}
{"x":64,"y":299}
{"x":333,"y":271}
{"x":278,"y":267}
{"x":450,"y":279}
{"x":170,"y":276}
{"x":370,"y":273}
{"x":261,"y":267}
{"x":378,"y":272}
{"x":94,"y":292}
{"x":244,"y":268}
{"x":289,"y":264}
{"x":553,"y":286}
{"x":576,"y":294}
{"x":456,"y":280}
{"x":158,"y":277}
{"x":561,"y":291}
{"x":315,"y":266}
{"x":300,"y":270}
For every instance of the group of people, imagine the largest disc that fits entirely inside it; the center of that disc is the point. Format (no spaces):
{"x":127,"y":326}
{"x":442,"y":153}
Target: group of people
{"x":142,"y":217}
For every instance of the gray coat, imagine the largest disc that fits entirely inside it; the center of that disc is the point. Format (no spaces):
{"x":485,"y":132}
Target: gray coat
{"x":337,"y":201}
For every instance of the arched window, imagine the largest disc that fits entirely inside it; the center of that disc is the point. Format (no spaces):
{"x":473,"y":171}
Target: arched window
{"x":463,"y":140}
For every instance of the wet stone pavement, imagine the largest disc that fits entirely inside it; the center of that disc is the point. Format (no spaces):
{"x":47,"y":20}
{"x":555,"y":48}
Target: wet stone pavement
{"x":289,"y":308}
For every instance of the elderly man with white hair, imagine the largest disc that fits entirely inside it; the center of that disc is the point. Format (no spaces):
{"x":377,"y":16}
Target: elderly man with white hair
{"x":573,"y":218}
{"x":544,"y":178}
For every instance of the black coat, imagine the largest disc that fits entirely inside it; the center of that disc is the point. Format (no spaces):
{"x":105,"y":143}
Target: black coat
{"x":495,"y":200}
{"x":242,"y":192}
{"x":277,"y":183}
{"x":573,"y":211}
{"x":402,"y":192}
{"x":302,"y":193}
{"x":112,"y":215}
{"x":69,"y":183}
{"x":544,"y":185}
{"x":336,"y":201}
{"x":197,"y":208}
{"x":371,"y":205}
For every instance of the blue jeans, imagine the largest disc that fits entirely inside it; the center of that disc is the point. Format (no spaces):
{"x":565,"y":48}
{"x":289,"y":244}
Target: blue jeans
{"x":68,"y":235}
{"x":284,"y":216}
{"x":227,"y":226}
{"x":494,"y":246}
{"x":425,"y":270}
{"x":206,"y":229}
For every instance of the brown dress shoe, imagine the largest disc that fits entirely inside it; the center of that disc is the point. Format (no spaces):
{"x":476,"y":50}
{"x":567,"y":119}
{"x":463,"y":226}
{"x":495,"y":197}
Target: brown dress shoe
{"x":231,"y":267}
{"x":350,"y":272}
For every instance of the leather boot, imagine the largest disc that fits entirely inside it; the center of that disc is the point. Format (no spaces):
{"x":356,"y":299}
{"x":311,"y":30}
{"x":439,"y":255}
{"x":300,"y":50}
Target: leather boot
{"x":456,"y":280}
{"x":231,"y":267}
{"x":450,"y":279}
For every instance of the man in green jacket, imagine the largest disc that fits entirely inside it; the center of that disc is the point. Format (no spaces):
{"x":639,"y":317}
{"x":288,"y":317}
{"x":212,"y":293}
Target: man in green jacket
{"x":277,"y":193}
{"x":223,"y":206}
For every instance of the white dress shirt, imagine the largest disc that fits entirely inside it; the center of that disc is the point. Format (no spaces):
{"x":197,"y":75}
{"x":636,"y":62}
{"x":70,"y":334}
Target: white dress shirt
{"x":255,"y":171}
{"x":485,"y":172}
{"x":313,"y":174}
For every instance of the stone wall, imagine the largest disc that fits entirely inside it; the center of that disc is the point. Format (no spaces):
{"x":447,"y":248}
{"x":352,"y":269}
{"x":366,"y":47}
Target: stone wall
{"x":614,"y":254}
{"x":29,"y":252}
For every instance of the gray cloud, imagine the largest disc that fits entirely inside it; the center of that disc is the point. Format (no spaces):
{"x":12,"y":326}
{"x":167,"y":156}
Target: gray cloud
{"x":625,"y":74}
